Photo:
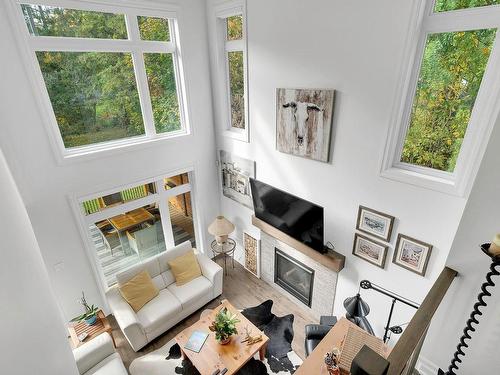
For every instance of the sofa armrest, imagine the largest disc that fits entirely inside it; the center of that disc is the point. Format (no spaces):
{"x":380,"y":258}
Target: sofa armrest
{"x":127,"y":319}
{"x":212,"y":271}
{"x":91,"y":353}
{"x":316,"y":331}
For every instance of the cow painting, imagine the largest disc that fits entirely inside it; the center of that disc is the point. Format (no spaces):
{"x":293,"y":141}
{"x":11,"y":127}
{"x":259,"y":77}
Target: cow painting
{"x":304,"y":122}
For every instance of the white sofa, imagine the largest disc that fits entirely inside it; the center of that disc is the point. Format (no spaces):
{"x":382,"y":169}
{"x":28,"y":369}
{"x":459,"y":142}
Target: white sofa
{"x":98,"y":357}
{"x":172,"y":304}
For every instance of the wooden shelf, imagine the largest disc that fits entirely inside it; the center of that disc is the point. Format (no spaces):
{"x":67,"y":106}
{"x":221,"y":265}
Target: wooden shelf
{"x":332,"y":260}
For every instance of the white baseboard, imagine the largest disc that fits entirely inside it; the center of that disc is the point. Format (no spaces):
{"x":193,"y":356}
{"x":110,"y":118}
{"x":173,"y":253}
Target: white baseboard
{"x":426,"y":367}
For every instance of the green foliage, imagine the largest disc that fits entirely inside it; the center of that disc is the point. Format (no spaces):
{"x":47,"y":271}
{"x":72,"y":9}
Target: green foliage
{"x":237,"y":89}
{"x":152,"y":28}
{"x":224,"y":324}
{"x":446,"y":5}
{"x":450,"y":76}
{"x":234,"y":25}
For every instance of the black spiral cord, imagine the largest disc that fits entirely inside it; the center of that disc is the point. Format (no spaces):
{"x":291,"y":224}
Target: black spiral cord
{"x":495,"y":262}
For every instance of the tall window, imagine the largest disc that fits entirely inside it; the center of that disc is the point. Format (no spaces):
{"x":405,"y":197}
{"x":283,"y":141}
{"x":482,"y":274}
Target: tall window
{"x":232,"y":61}
{"x":447,"y":94}
{"x":127,"y":226}
{"x":111,"y":75}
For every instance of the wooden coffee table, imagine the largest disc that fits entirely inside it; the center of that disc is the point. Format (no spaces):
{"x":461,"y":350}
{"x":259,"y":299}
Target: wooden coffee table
{"x":102,"y":325}
{"x":212,"y":355}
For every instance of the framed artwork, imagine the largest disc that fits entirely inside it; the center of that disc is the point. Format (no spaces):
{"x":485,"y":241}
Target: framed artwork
{"x":235,"y":175}
{"x":412,"y":254}
{"x":375,"y":223}
{"x":369,"y":250}
{"x":252,"y":253}
{"x":304,"y":122}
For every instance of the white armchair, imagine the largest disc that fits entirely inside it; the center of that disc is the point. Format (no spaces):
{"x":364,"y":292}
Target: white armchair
{"x":173,"y":302}
{"x":98,"y":357}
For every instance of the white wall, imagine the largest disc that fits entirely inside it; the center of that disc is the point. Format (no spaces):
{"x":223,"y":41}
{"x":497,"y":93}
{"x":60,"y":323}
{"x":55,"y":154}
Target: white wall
{"x":33,"y":335}
{"x":45,"y":185}
{"x":479,"y":223}
{"x":354,"y":47}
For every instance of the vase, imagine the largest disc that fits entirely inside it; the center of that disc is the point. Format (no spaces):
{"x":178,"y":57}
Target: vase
{"x":225,"y":341}
{"x":90,"y":321}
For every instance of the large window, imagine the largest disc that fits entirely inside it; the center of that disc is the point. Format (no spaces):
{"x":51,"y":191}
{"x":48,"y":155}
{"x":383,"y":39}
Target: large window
{"x":111,"y":74}
{"x":232,"y":83}
{"x":441,"y":119}
{"x":127,"y":226}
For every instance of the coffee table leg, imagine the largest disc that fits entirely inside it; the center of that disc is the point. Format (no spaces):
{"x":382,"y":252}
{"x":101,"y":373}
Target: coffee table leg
{"x":262,"y":352}
{"x":183,"y":355}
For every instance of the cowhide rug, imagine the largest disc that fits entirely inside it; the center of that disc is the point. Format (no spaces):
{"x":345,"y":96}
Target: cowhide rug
{"x":280,"y":358}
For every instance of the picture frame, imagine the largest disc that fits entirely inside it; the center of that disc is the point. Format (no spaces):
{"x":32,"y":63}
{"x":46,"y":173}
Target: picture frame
{"x":251,"y":250}
{"x":412,"y":254}
{"x":375,"y":223}
{"x":235,"y":173}
{"x":370,"y":250}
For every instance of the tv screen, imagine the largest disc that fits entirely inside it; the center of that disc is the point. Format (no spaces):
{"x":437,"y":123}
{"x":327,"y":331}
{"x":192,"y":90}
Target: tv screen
{"x":296,"y":217}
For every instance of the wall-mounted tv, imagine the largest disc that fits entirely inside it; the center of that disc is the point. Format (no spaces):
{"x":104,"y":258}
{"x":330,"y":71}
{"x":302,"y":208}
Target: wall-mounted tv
{"x":294,"y":216}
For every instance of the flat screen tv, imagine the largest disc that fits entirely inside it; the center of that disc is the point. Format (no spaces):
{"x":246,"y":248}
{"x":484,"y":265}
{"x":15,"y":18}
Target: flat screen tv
{"x":294,"y":216}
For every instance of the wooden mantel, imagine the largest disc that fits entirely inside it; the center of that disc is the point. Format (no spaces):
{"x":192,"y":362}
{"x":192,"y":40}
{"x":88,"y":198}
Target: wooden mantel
{"x":332,"y":260}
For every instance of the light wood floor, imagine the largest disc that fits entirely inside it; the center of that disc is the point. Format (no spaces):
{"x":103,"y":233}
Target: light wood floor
{"x":243,"y":290}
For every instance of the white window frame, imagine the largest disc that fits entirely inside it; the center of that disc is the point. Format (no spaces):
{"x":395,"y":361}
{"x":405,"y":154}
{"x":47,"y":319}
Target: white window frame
{"x":484,"y":113}
{"x":161,"y":197}
{"x":222,"y":86}
{"x":29,"y":44}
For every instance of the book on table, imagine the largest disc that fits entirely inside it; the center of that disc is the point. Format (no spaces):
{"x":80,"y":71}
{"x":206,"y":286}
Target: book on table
{"x":196,"y":341}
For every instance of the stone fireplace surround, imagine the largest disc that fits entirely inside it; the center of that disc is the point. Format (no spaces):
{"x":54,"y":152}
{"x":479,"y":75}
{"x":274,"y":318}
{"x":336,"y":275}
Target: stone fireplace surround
{"x":325,"y":279}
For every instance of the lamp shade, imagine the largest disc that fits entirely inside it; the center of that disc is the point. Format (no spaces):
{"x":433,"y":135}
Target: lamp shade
{"x":221,"y":228}
{"x":356,"y":307}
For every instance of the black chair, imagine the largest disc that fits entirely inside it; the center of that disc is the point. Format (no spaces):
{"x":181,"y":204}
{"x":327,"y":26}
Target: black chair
{"x":316,"y":332}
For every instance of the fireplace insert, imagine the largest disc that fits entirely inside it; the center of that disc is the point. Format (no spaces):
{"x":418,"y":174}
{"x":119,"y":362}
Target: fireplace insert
{"x":293,"y":276}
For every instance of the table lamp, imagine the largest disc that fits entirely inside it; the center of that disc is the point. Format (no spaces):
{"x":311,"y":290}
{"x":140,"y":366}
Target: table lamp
{"x":221,"y":228}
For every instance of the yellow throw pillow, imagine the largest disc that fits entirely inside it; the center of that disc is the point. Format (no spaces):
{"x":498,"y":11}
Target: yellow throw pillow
{"x":139,"y":290}
{"x":185,"y":268}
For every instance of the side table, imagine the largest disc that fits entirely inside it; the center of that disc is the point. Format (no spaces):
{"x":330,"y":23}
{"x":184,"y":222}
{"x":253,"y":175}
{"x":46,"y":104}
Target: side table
{"x":225,"y":249}
{"x":102,"y":325}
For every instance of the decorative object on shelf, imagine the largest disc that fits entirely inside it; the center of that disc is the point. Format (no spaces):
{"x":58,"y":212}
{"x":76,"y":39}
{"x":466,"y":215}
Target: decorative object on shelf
{"x":224,"y":326}
{"x":225,"y":249}
{"x":412,"y":254}
{"x":369,"y":250}
{"x":235,"y":176}
{"x":252,"y":253}
{"x":356,"y":312}
{"x":304,"y":122}
{"x":249,"y":339}
{"x":493,"y":251}
{"x":332,"y":362}
{"x":221,"y":228}
{"x":375,"y":223}
{"x":365,"y":284}
{"x":90,"y":314}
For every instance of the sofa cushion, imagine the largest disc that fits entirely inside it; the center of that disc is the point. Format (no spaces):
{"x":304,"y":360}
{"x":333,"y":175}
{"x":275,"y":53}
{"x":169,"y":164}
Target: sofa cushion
{"x":161,"y":308}
{"x":173,"y":253}
{"x":151,"y":265}
{"x":139,"y":290}
{"x":189,"y":294}
{"x":185,"y":268}
{"x":112,"y":365}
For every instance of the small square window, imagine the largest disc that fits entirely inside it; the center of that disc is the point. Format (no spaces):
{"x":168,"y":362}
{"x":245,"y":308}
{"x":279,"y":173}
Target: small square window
{"x":154,"y":28}
{"x":447,"y":5}
{"x":234,"y":27}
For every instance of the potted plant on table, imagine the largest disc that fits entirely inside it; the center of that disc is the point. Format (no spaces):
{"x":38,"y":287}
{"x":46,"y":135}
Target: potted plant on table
{"x":224,"y":325}
{"x":90,"y":314}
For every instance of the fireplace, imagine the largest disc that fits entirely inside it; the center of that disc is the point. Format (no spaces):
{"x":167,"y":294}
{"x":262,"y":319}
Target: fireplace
{"x":293,"y":276}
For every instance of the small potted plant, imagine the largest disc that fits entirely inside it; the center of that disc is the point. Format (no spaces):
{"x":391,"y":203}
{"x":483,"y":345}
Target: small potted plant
{"x":90,"y":314}
{"x":224,"y":326}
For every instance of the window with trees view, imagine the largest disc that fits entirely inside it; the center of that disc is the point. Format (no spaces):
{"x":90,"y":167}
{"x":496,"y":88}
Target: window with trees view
{"x":110,"y":75}
{"x":231,"y":34}
{"x":446,"y":96}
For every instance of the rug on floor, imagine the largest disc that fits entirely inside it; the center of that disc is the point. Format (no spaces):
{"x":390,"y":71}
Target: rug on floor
{"x":280,"y":358}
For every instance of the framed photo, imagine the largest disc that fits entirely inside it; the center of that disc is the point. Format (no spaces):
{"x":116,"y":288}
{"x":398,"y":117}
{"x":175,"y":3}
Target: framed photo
{"x":304,"y":122}
{"x":375,"y":223}
{"x":412,"y":254}
{"x":235,"y":174}
{"x":252,"y":253}
{"x":369,"y":250}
